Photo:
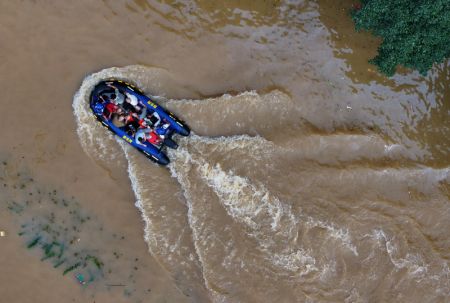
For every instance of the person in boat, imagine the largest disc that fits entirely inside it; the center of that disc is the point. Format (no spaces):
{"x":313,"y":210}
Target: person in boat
{"x":154,"y":122}
{"x":116,"y":97}
{"x":128,"y":118}
{"x":129,"y":121}
{"x":128,"y":101}
{"x":151,"y":121}
{"x":162,"y":129}
{"x":107,"y":109}
{"x":155,"y":119}
{"x":147,"y":135}
{"x":112,"y":109}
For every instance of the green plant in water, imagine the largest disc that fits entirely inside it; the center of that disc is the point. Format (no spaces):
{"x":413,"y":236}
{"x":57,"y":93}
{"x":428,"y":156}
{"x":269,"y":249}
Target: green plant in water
{"x":415,"y":34}
{"x":70,"y":268}
{"x":51,"y":250}
{"x":95,"y":260}
{"x":34,"y":242}
{"x":15,"y":207}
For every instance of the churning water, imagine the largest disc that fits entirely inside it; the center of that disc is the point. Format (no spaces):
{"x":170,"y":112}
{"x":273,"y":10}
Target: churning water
{"x":288,"y":213}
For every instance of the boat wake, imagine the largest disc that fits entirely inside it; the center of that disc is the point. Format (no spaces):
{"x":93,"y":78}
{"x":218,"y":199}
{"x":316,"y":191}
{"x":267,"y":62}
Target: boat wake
{"x":257,"y":206}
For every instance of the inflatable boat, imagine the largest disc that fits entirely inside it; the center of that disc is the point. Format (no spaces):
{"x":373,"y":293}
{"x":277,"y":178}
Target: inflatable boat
{"x":127,"y":112}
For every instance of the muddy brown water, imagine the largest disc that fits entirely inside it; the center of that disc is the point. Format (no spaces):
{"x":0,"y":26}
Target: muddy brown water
{"x":309,"y":177}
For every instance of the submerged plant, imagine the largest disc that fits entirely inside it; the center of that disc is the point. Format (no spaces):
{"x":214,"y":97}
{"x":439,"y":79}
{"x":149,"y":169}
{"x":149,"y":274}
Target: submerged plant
{"x":59,"y":231}
{"x":59,"y":251}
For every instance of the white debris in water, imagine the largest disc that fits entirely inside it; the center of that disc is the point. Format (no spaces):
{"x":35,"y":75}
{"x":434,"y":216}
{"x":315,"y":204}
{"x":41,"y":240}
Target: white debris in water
{"x":2,"y":233}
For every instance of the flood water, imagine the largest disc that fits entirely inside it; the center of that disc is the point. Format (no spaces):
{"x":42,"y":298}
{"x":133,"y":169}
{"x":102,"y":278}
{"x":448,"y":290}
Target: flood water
{"x":309,"y":176}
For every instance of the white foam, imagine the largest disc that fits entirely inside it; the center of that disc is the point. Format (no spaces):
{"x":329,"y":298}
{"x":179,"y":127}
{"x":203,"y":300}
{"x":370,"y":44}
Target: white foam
{"x":251,"y":206}
{"x":139,"y":204}
{"x":300,"y":262}
{"x":250,"y":97}
{"x":244,"y":201}
{"x":414,"y":263}
{"x":268,"y":220}
{"x":179,"y":164}
{"x":343,"y":235}
{"x":328,"y":271}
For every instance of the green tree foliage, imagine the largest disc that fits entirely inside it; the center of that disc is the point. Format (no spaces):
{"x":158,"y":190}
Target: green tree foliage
{"x":416,"y":33}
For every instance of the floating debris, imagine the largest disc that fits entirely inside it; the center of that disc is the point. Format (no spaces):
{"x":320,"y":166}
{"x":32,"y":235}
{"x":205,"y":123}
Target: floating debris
{"x":80,"y":279}
{"x":116,"y":285}
{"x":2,"y":233}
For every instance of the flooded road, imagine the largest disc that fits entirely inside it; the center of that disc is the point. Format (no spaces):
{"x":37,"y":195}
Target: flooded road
{"x":309,"y":177}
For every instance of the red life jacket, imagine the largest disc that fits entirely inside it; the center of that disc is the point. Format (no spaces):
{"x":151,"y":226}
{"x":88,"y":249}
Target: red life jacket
{"x":129,"y":118}
{"x":154,"y":138}
{"x":142,"y":123}
{"x":111,"y":107}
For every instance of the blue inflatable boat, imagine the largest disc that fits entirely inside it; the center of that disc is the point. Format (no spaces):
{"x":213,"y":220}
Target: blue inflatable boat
{"x":137,"y":119}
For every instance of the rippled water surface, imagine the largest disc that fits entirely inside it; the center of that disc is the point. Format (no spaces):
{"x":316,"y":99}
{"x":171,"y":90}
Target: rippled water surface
{"x":309,"y":176}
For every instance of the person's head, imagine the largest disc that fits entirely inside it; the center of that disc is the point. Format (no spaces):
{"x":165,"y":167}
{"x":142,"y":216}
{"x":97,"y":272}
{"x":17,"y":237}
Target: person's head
{"x":141,"y":139}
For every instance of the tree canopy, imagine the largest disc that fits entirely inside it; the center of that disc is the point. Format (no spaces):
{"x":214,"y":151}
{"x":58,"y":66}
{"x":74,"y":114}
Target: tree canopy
{"x":416,"y":33}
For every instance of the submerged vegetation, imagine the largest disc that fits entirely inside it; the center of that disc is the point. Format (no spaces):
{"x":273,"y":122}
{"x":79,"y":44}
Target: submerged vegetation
{"x":54,"y":224}
{"x":60,"y":232}
{"x":415,"y":34}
